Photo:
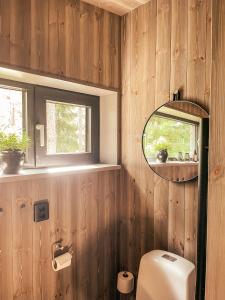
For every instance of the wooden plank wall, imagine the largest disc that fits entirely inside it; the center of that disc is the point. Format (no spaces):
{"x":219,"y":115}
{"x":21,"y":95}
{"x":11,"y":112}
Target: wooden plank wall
{"x":215,"y":288}
{"x":166,"y":45}
{"x":67,"y":38}
{"x":83,"y":211}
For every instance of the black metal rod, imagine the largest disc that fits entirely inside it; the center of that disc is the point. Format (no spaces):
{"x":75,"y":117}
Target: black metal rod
{"x":202,"y":210}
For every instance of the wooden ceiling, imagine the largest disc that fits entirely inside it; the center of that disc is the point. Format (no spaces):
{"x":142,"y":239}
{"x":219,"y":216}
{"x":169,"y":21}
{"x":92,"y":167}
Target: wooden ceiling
{"x":119,"y":7}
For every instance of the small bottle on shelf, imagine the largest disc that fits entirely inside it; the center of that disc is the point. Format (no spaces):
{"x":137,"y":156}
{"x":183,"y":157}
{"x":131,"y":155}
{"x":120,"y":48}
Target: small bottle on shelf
{"x":195,"y":156}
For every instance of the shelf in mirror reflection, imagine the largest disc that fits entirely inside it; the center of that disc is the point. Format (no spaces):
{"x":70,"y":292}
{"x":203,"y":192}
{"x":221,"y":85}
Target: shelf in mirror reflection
{"x":176,"y":171}
{"x":171,"y":140}
{"x":173,"y":163}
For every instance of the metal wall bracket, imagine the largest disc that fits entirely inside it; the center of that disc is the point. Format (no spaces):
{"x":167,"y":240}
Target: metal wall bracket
{"x":176,"y":95}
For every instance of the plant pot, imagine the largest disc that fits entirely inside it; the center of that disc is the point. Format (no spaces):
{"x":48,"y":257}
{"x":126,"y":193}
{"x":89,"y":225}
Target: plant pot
{"x":162,"y":155}
{"x":12,"y":161}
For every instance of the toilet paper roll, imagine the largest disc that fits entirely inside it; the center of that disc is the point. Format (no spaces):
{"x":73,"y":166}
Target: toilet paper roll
{"x":61,"y":262}
{"x":125,"y":282}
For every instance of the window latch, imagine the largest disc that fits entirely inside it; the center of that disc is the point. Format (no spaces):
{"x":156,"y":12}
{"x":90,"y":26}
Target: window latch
{"x":41,"y":128}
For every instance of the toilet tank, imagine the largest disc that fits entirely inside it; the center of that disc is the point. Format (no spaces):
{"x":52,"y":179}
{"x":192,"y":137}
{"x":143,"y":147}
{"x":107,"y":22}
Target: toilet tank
{"x":165,"y":276}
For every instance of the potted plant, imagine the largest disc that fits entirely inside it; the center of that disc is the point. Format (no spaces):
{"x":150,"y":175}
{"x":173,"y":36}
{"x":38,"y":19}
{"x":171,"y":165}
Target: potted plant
{"x":12,"y":149}
{"x":161,"y":149}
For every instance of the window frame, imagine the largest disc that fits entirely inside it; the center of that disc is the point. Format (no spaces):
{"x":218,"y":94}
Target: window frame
{"x":44,"y":94}
{"x":34,"y":112}
{"x":28,"y":115}
{"x":184,"y":120}
{"x":176,"y":118}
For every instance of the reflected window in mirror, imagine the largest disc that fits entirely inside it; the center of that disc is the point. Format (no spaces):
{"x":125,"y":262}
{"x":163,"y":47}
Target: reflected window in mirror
{"x":171,"y":140}
{"x":177,"y":134}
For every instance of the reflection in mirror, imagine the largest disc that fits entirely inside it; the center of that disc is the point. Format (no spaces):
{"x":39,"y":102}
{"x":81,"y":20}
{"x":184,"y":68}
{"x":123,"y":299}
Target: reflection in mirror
{"x":172,"y":138}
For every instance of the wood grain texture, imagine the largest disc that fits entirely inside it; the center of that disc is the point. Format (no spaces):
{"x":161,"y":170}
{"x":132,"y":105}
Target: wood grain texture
{"x":162,"y":86}
{"x":137,"y":206}
{"x":83,"y":211}
{"x":119,"y":7}
{"x":215,"y":287}
{"x":176,"y":171}
{"x":188,"y":108}
{"x":67,"y":38}
{"x":163,"y":45}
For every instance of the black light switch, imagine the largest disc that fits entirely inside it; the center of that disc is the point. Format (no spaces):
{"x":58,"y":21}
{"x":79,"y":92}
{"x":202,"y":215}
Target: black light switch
{"x":41,"y":211}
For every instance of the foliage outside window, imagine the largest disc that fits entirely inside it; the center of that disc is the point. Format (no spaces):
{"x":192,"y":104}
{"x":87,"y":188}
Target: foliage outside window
{"x":69,"y":122}
{"x":173,"y":135}
{"x":11,"y":119}
{"x":66,"y":128}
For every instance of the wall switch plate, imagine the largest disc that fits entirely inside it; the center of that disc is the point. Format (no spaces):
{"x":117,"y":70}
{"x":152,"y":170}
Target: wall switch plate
{"x":41,"y":210}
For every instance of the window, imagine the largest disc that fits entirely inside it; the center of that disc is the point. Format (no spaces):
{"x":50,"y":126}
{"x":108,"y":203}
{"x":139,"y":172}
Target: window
{"x":179,"y":135}
{"x":66,"y":128}
{"x":11,"y":113}
{"x":16,"y":112}
{"x":63,"y":125}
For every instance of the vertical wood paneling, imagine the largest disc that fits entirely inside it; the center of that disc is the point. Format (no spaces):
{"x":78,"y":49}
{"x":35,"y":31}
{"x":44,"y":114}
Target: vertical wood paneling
{"x":163,"y":48}
{"x":191,"y":220}
{"x":6,"y":240}
{"x":176,"y":233}
{"x":83,"y":212}
{"x":179,"y":51}
{"x":71,"y":39}
{"x":53,"y":37}
{"x":61,"y":37}
{"x":137,"y":195}
{"x":68,"y":38}
{"x":5,"y":31}
{"x":197,"y":49}
{"x":178,"y":80}
{"x":161,"y":211}
{"x":22,"y":242}
{"x":39,"y":37}
{"x":20,"y":35}
{"x":177,"y":55}
{"x":72,"y":36}
{"x":84,"y":41}
{"x":137,"y":186}
{"x":215,"y":287}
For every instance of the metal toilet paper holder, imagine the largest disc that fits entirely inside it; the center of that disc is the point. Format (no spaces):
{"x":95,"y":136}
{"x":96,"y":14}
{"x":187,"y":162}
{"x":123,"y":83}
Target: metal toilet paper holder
{"x":58,"y":249}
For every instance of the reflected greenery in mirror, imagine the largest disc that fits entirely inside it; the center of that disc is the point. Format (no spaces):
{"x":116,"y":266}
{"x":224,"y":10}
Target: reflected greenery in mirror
{"x":171,"y":140}
{"x":171,"y":134}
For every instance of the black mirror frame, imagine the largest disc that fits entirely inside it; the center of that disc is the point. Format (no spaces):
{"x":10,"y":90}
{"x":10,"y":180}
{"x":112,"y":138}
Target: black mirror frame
{"x":175,"y":100}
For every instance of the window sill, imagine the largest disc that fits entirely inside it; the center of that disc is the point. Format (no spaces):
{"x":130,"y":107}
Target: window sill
{"x":59,"y":171}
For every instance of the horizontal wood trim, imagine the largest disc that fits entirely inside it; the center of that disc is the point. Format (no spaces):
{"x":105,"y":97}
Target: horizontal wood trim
{"x":38,"y":173}
{"x":119,"y":7}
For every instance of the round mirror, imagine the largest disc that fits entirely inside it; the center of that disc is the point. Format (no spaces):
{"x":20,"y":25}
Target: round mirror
{"x":171,"y":140}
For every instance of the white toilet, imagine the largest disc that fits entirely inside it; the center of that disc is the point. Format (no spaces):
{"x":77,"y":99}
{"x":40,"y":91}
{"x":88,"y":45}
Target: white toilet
{"x":165,"y":276}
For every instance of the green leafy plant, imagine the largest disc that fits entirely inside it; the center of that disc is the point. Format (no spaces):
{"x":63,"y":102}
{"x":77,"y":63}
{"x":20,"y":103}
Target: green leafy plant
{"x":161,"y":146}
{"x":13,"y":142}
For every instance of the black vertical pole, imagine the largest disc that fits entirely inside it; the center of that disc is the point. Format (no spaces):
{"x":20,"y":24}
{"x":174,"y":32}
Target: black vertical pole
{"x":202,"y":210}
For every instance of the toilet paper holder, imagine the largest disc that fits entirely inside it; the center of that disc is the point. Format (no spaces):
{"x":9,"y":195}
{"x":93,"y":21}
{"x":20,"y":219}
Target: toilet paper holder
{"x":58,"y":249}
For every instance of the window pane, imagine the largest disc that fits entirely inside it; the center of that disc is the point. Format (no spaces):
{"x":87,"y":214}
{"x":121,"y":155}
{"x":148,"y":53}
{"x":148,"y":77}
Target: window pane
{"x":174,"y":135}
{"x":11,"y":112}
{"x":66,"y":128}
